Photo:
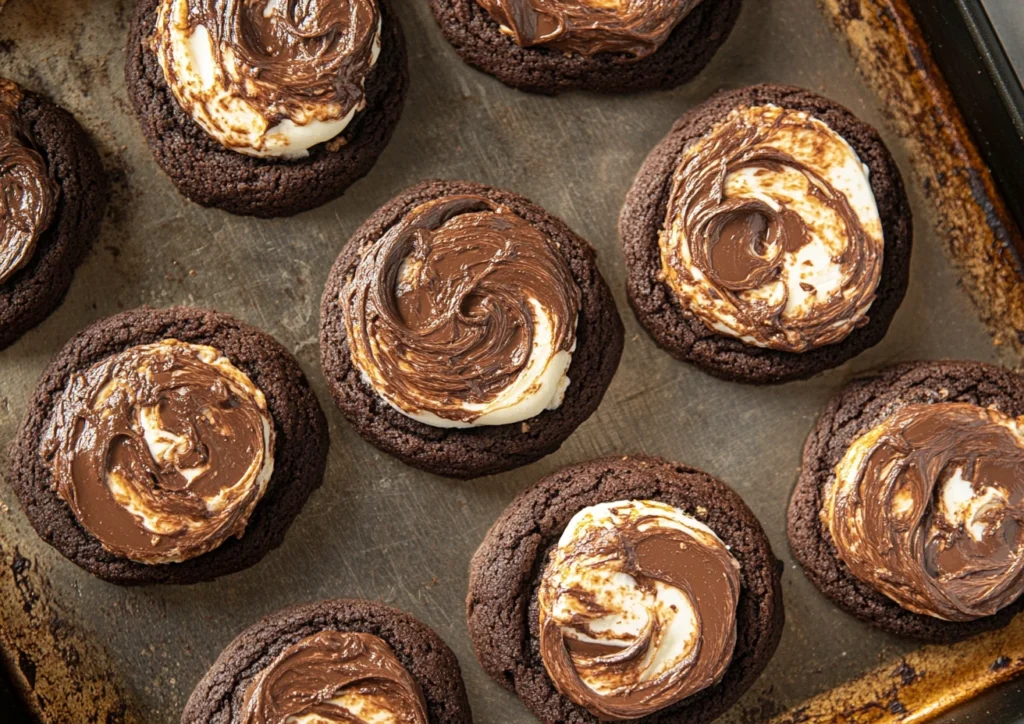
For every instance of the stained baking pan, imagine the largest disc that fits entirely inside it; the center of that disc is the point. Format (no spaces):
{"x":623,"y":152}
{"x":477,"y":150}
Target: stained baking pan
{"x":78,"y":649}
{"x":979,"y":48}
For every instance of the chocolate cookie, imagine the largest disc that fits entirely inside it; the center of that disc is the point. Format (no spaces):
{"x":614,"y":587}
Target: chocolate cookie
{"x":479,"y":41}
{"x":507,"y":571}
{"x":212,"y":174}
{"x":222,"y":696}
{"x":864,"y":404}
{"x":819,"y":340}
{"x":110,"y":409}
{"x":465,"y":336}
{"x":46,"y":154}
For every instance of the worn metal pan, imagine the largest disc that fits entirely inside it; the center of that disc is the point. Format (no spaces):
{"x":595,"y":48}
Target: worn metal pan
{"x":78,"y":649}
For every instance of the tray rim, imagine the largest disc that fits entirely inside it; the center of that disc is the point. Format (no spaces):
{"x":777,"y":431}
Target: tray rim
{"x":980,"y":238}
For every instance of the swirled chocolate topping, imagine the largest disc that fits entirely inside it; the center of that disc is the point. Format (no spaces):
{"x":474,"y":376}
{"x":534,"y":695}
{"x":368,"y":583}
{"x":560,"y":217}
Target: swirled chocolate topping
{"x":294,"y":70}
{"x":335,"y":676}
{"x":28,"y":196}
{"x":928,"y":508}
{"x":772,"y":233}
{"x":463,"y":313}
{"x":162,"y":451}
{"x":637,"y":609}
{"x":588,"y":27}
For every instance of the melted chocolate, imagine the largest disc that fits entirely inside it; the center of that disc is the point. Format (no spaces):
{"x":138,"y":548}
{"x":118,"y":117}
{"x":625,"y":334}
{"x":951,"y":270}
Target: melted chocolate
{"x":891,"y":521}
{"x":338,"y":677}
{"x":158,"y":432}
{"x":738,"y":244}
{"x":438,"y":310}
{"x":650,"y":553}
{"x":635,"y":28}
{"x":28,"y":196}
{"x":282,"y":56}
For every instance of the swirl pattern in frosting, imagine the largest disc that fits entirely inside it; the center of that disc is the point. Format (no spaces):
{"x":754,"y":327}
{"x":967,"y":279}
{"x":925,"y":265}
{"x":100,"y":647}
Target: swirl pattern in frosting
{"x":28,"y":196}
{"x":463,"y":314}
{"x":335,"y":676}
{"x":772,"y":233}
{"x":269,"y":77}
{"x":927,"y":507}
{"x":635,"y":28}
{"x":637,"y":608}
{"x":161,"y":451}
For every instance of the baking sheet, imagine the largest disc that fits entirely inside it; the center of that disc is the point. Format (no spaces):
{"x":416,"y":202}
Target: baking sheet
{"x":378,"y":529}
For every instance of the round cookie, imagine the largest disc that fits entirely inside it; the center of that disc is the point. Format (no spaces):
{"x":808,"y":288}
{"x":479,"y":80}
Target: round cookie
{"x":36,"y":289}
{"x":299,"y":427}
{"x":220,"y":695}
{"x":505,"y":576}
{"x":209,"y":174}
{"x":681,"y":333}
{"x":859,"y":407}
{"x":479,"y":41}
{"x":482,"y":450}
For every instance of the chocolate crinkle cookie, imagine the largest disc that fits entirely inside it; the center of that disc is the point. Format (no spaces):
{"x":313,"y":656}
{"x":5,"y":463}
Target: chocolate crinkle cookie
{"x":266,"y":109}
{"x":466,"y":331}
{"x":168,"y":446}
{"x":52,"y":191}
{"x":549,"y":46}
{"x":595,"y":565}
{"x":909,"y":510}
{"x":341,"y":660}
{"x":767,"y":237}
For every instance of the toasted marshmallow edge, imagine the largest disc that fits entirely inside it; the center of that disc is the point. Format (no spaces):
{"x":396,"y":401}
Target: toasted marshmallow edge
{"x":958,"y":504}
{"x":816,"y":264}
{"x":162,"y":443}
{"x":540,"y":386}
{"x":354,"y":703}
{"x":230,"y":119}
{"x":616,"y":591}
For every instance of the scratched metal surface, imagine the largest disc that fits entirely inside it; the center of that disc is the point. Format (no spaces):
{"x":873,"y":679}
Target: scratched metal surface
{"x":378,"y":529}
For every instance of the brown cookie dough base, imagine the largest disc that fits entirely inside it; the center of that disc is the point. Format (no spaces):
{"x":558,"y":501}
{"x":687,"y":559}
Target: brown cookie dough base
{"x":300,"y":448}
{"x":211,"y":175}
{"x":35,"y":290}
{"x":472,"y":452}
{"x":479,"y":41}
{"x":505,"y":574}
{"x":220,"y":695}
{"x":685,"y":336}
{"x":862,"y":405}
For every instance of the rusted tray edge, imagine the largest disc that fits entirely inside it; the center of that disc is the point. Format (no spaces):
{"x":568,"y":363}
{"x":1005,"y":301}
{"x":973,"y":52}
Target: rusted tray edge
{"x":891,"y":54}
{"x":981,"y":238}
{"x":920,"y":685}
{"x":60,"y":673}
{"x":55,"y":669}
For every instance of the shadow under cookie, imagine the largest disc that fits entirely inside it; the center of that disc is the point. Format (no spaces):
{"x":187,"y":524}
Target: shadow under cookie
{"x":479,"y":41}
{"x":221,"y":694}
{"x":858,"y":408}
{"x":506,"y":571}
{"x":486,"y":449}
{"x":210,"y":174}
{"x":33,"y":291}
{"x":299,"y":450}
{"x":677,"y":329}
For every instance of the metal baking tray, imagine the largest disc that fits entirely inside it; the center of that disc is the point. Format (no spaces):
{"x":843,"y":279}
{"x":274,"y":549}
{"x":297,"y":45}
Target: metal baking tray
{"x":82,"y":650}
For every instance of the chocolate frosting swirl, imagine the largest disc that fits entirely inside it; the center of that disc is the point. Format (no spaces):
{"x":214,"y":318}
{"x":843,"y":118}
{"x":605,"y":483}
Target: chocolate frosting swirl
{"x":738,"y":247}
{"x":442,"y":312}
{"x":297,"y":60}
{"x":928,"y":508}
{"x":680,"y":569}
{"x":162,"y":451}
{"x":28,"y":196}
{"x":335,"y":676}
{"x":632,"y":27}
